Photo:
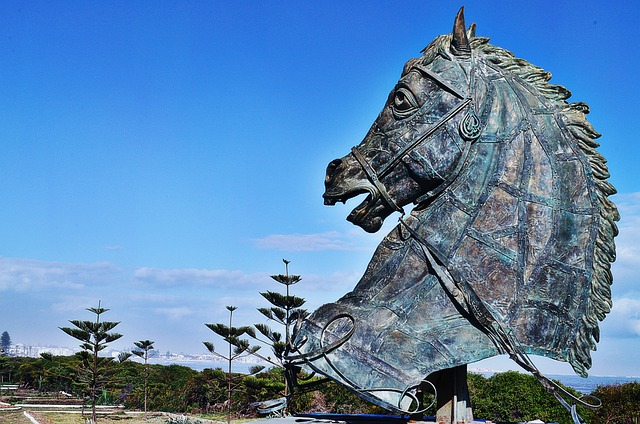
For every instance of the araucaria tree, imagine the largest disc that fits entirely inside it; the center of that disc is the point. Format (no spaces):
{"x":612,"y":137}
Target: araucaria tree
{"x":286,"y":311}
{"x":94,"y":335}
{"x":143,"y":347}
{"x":238,"y":348}
{"x":5,"y":341}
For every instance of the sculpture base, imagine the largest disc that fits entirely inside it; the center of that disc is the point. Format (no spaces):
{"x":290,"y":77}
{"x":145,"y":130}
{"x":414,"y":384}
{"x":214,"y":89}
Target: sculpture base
{"x":453,"y":404}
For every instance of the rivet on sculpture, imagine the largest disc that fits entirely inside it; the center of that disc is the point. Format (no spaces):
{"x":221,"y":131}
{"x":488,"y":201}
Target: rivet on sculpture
{"x":508,"y":246}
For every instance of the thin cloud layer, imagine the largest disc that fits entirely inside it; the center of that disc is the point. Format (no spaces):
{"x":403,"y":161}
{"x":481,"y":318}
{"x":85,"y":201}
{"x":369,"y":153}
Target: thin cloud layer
{"x":196,"y":277}
{"x":624,"y":319}
{"x":330,"y":240}
{"x":627,"y":266}
{"x":18,"y":274}
{"x":175,"y":313}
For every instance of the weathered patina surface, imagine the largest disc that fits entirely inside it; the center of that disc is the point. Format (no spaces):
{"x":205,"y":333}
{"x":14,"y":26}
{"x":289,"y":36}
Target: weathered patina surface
{"x":509,"y":246}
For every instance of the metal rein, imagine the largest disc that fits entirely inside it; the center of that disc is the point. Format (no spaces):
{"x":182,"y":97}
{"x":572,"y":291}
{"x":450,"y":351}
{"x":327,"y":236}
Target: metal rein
{"x":323,"y":352}
{"x":467,"y":299}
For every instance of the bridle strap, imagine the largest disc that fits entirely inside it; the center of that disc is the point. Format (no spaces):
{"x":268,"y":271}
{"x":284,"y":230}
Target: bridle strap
{"x":373,"y":177}
{"x":409,"y":147}
{"x":442,"y":83}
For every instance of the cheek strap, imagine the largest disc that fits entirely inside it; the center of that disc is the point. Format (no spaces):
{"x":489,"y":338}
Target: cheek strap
{"x":373,"y":177}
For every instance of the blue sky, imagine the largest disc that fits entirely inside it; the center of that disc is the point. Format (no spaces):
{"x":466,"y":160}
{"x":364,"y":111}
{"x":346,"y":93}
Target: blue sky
{"x":164,"y":157}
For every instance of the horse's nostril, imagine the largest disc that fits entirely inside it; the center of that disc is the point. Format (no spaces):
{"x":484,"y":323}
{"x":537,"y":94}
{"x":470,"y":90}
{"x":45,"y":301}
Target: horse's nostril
{"x":331,"y":169}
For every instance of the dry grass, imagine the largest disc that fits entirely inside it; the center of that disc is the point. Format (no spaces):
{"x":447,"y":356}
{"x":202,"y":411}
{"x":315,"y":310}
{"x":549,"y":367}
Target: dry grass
{"x":18,"y":417}
{"x":13,"y":417}
{"x":66,"y":418}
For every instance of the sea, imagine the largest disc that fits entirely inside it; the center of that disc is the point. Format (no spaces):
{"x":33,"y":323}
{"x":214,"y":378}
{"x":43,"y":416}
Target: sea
{"x":589,"y":384}
{"x":582,"y":385}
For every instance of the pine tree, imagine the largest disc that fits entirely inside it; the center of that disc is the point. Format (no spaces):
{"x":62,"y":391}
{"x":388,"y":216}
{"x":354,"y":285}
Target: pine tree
{"x":94,"y":335}
{"x":238,"y":348}
{"x":286,"y":311}
{"x":5,"y":341}
{"x":143,"y":349}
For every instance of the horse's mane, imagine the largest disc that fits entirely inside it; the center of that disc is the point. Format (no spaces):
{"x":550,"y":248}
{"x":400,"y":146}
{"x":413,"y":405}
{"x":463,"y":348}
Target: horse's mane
{"x":599,"y":299}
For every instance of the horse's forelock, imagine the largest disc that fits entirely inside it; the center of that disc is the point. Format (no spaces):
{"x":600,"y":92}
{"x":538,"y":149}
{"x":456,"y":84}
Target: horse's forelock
{"x":441,"y":46}
{"x":438,"y":47}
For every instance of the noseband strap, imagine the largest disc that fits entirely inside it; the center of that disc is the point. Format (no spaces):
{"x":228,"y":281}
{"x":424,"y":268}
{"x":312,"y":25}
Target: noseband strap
{"x":373,"y":177}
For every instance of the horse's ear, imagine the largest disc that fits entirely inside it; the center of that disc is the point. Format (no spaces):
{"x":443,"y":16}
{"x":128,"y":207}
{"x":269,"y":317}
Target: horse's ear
{"x":471,"y":32}
{"x":459,"y":41}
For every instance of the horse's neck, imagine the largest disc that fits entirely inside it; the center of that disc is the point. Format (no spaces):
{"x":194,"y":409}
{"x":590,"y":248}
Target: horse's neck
{"x":519,"y":174}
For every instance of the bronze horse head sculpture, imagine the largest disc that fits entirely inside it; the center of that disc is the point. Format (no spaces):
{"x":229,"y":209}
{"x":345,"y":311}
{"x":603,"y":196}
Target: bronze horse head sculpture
{"x":509,"y":245}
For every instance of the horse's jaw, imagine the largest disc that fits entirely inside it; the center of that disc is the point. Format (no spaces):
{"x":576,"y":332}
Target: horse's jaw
{"x":369,"y":214}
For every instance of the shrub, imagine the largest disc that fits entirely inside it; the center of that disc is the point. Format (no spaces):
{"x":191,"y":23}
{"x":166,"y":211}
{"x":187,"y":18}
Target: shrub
{"x":620,"y":404}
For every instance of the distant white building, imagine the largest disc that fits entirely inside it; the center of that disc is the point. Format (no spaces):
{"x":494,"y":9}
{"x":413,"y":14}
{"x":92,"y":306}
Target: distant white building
{"x":20,"y":349}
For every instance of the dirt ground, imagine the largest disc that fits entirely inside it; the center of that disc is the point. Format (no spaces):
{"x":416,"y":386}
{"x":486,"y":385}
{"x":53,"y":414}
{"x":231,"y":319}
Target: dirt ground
{"x":18,"y":417}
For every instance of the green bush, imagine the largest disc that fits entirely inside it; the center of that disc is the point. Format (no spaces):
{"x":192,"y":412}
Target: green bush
{"x":620,"y":404}
{"x":512,"y":396}
{"x":508,"y":396}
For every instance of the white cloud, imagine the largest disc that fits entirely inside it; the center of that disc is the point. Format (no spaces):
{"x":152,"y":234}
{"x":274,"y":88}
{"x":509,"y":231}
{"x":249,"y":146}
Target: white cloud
{"x":175,"y":313}
{"x":626,"y":269}
{"x":113,"y":247}
{"x":624,"y":319}
{"x":17,"y":274}
{"x":154,"y":298}
{"x":628,"y":204}
{"x":74,"y":304}
{"x":330,"y":240}
{"x":197,"y":277}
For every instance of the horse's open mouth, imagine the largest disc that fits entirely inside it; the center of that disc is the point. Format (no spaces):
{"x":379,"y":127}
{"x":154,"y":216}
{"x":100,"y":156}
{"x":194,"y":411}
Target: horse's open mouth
{"x":367,"y":214}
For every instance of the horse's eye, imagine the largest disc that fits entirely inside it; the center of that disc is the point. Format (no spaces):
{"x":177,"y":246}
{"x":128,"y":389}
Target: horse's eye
{"x":404,"y":103}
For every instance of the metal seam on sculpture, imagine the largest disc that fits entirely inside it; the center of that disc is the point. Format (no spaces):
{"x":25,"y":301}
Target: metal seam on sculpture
{"x":491,"y":243}
{"x":502,"y":336}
